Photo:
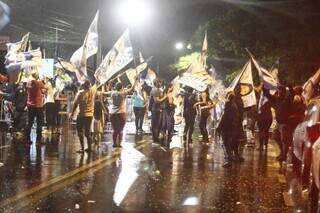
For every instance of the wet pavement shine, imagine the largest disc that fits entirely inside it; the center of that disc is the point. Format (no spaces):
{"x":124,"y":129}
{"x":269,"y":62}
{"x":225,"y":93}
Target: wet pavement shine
{"x":140,"y":177}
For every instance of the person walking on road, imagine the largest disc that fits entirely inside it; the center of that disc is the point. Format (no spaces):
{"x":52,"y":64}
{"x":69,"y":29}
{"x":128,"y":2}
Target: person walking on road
{"x":50,"y":106}
{"x":168,"y":114}
{"x":35,"y":91}
{"x":156,"y":107}
{"x":139,"y":100}
{"x":189,"y":114}
{"x":230,"y":130}
{"x":206,"y":104}
{"x":118,"y":110}
{"x":85,"y":100}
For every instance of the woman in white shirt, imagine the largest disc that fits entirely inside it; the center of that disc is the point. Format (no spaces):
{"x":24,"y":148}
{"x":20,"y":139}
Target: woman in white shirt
{"x":50,"y":107}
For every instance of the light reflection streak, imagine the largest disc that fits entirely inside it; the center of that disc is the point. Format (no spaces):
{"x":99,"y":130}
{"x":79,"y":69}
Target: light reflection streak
{"x":130,"y":164}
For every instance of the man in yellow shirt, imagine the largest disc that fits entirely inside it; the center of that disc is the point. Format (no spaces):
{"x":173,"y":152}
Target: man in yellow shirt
{"x":85,"y":100}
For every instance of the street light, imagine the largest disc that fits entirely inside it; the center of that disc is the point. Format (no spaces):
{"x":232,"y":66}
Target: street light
{"x":134,"y":12}
{"x":179,"y":46}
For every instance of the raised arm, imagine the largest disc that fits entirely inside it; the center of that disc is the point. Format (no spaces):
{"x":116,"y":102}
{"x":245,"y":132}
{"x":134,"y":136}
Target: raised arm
{"x":130,"y":90}
{"x":203,"y":98}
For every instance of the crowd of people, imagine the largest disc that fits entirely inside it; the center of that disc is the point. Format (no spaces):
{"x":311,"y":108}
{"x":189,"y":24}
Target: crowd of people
{"x":37,"y":101}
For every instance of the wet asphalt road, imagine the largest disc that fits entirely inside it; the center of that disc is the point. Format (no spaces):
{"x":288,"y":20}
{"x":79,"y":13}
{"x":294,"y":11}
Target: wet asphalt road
{"x":140,"y":177}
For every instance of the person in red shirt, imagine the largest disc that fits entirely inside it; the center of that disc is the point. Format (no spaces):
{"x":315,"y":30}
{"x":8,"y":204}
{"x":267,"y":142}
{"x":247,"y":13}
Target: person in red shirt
{"x":35,"y":91}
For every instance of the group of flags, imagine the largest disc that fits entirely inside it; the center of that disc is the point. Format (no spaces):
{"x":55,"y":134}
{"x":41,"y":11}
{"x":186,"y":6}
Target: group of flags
{"x":19,"y":57}
{"x":119,"y":57}
{"x":244,"y":85}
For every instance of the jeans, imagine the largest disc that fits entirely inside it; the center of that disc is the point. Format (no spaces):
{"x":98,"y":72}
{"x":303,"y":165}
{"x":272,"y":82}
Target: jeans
{"x":118,"y":122}
{"x":32,"y":114}
{"x":156,"y":120}
{"x":83,"y":129}
{"x":139,"y":117}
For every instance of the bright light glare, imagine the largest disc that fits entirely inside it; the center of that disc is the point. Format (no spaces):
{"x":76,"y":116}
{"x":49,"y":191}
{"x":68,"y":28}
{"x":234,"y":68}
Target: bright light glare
{"x":191,"y":201}
{"x":134,"y":12}
{"x":179,"y":45}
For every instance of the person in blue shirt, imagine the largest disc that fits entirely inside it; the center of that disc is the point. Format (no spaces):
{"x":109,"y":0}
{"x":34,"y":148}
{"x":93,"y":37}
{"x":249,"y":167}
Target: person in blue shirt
{"x":139,"y":102}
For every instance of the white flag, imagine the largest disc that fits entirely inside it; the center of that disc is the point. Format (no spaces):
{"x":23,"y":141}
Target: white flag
{"x":204,"y":52}
{"x":88,"y":49}
{"x":245,"y":82}
{"x":20,"y":46}
{"x":117,"y":58}
{"x":141,"y":58}
{"x":196,"y":77}
{"x":268,"y":79}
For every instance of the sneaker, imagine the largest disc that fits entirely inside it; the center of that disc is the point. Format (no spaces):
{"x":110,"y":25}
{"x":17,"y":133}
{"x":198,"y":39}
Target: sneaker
{"x":80,"y":151}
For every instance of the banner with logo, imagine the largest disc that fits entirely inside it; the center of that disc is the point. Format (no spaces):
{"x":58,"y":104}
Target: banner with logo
{"x":117,"y":58}
{"x":244,"y":83}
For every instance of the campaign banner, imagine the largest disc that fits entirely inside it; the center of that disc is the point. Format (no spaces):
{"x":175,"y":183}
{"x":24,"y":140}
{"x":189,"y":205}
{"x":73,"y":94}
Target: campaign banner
{"x":117,"y":58}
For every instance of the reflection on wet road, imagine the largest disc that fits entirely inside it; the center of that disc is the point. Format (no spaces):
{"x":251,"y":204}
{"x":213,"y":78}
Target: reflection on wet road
{"x":140,"y":177}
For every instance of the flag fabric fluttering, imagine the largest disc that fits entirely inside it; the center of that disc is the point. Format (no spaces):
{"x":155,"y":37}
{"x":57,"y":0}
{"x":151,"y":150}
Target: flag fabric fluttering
{"x":117,"y":58}
{"x":244,"y":81}
{"x":148,"y":76}
{"x":310,"y":86}
{"x":21,"y":46}
{"x":269,"y":82}
{"x":268,"y":79}
{"x":134,"y":72}
{"x":196,"y":77}
{"x":62,"y":64}
{"x":88,"y":49}
{"x":204,"y":51}
{"x":141,"y":58}
{"x":27,"y":61}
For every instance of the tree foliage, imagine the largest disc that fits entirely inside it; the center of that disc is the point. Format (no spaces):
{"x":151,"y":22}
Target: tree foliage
{"x":285,"y":31}
{"x":185,"y":61}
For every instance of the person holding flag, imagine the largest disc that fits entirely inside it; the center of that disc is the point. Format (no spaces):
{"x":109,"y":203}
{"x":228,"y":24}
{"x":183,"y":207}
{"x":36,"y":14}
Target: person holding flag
{"x":85,"y":100}
{"x":156,"y":108}
{"x":230,"y":129}
{"x":118,"y":110}
{"x":206,"y":104}
{"x":189,"y":114}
